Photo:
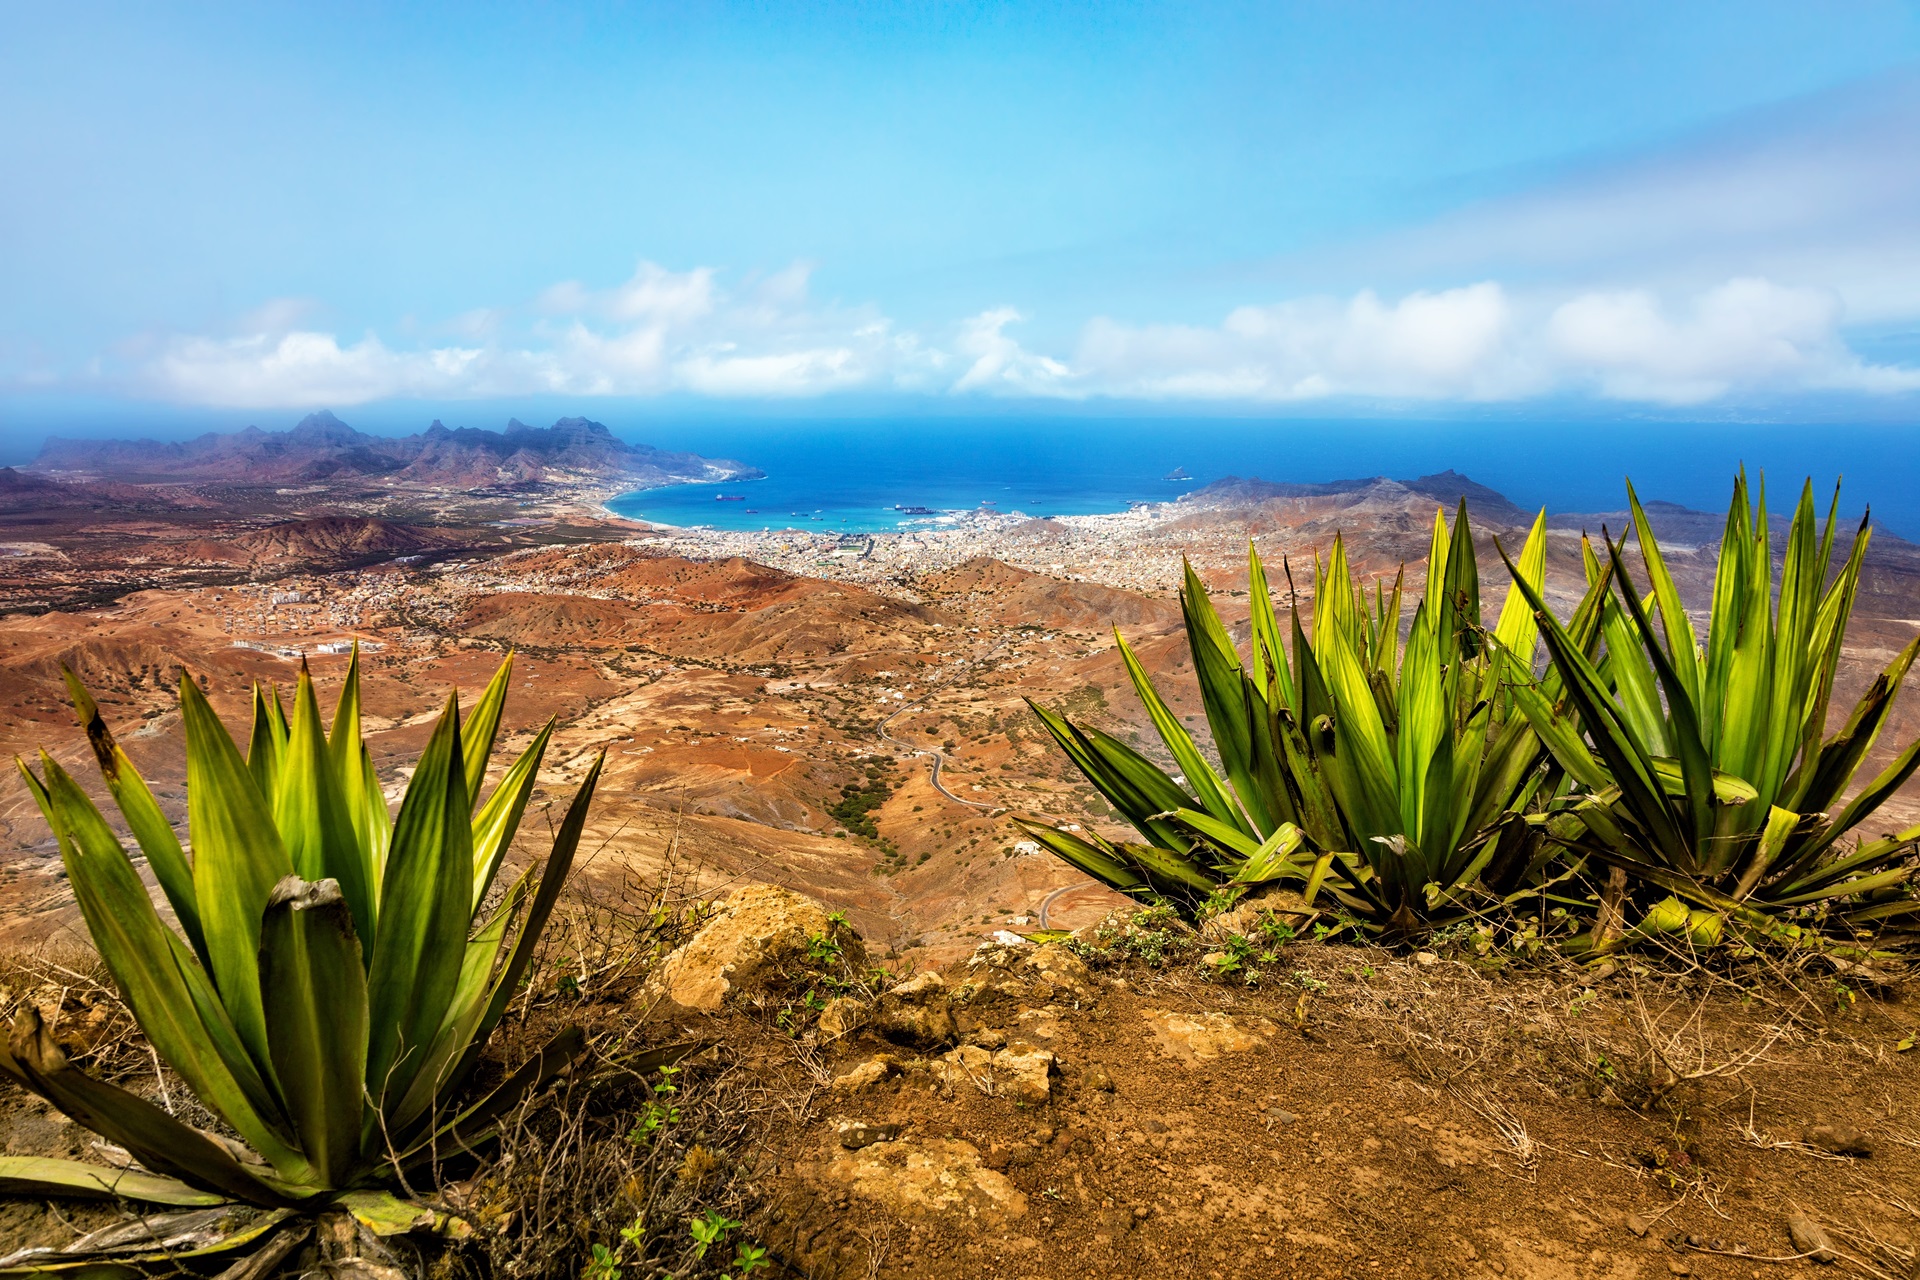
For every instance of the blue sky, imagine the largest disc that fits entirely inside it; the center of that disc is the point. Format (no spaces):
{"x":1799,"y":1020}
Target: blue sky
{"x":259,"y":209}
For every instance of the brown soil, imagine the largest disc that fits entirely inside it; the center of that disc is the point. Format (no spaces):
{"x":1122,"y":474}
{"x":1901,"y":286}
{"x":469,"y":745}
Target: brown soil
{"x":1390,"y":1118}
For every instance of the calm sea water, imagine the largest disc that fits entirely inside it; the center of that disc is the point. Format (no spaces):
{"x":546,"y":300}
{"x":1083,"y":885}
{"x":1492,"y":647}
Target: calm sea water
{"x":851,"y":476}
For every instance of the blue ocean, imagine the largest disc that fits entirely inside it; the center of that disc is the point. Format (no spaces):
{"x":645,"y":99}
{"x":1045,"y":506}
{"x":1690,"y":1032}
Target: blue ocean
{"x":870,"y":475}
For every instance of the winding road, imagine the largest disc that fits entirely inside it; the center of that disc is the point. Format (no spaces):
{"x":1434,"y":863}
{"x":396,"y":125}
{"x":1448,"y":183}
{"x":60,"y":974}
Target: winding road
{"x":933,"y":775}
{"x":1047,"y":902}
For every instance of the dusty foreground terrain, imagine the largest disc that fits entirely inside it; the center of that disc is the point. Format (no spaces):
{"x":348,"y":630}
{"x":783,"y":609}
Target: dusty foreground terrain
{"x":849,"y":722}
{"x":1116,"y":1104}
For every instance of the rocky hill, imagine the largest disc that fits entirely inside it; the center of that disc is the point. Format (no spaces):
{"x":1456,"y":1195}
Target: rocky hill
{"x":1445,"y":487}
{"x":321,"y":448}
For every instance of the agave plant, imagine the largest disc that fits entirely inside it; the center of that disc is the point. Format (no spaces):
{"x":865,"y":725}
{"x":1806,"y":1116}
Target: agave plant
{"x":1392,"y":776}
{"x":334,"y":975}
{"x":1704,"y":770}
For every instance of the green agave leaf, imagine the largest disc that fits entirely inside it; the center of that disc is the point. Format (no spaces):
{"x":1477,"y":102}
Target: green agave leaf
{"x":310,"y":809}
{"x":1834,"y":763}
{"x":1204,"y":782}
{"x":1273,"y":860}
{"x":1516,"y":630}
{"x":464,"y":1011}
{"x":359,"y":784}
{"x":426,"y":904}
{"x":269,"y":735}
{"x":149,"y":825}
{"x":1226,"y":837}
{"x":1627,"y":761}
{"x":1727,"y":789}
{"x":1682,"y":690}
{"x":1216,"y":668}
{"x":1131,"y":783}
{"x":482,"y":726}
{"x":237,"y":859}
{"x":160,"y":1142}
{"x":1169,"y":871}
{"x":499,"y":818}
{"x":44,"y":1176}
{"x":1800,"y":582}
{"x":1829,"y":635}
{"x":1269,"y":651}
{"x":1683,"y":655}
{"x":316,"y":989}
{"x":1369,"y":798}
{"x":153,"y":969}
{"x":1087,"y":856}
{"x":565,"y":845}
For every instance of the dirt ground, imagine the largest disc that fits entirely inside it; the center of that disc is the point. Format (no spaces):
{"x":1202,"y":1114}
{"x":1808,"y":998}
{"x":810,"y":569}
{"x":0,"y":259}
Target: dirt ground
{"x":1117,"y":1105}
{"x":1363,"y":1114}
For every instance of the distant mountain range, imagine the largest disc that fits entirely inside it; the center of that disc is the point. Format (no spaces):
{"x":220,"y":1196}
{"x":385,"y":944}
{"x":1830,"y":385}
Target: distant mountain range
{"x":1444,"y":487}
{"x":324,"y":449}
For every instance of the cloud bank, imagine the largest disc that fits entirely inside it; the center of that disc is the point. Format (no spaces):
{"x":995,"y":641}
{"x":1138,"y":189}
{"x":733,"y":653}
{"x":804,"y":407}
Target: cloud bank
{"x":665,"y":332}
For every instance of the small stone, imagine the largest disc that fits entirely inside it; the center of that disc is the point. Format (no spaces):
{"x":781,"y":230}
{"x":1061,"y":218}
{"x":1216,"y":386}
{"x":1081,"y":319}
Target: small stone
{"x":1809,"y":1238}
{"x":1838,"y":1139}
{"x":855,"y":1134}
{"x":1637,"y":1224}
{"x":1678,"y":1267}
{"x":1425,"y":959}
{"x":988,"y":1038}
{"x":843,"y":1016}
{"x":1281,"y":1117}
{"x":1141,"y":1212}
{"x":1098,"y":1080}
{"x":866,"y":1074}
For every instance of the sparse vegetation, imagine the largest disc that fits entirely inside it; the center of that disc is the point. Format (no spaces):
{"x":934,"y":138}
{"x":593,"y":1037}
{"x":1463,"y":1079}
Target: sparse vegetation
{"x":1420,"y":785}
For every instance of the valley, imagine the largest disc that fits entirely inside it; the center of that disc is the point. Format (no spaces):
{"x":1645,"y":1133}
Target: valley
{"x":772,"y":709}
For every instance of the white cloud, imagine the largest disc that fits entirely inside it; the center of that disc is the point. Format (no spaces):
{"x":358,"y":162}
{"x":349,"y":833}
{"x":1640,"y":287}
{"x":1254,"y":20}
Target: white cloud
{"x":1000,"y":364}
{"x":1820,"y":191}
{"x":1450,"y":345}
{"x":302,"y":368}
{"x":663,"y":332}
{"x":1747,"y":335}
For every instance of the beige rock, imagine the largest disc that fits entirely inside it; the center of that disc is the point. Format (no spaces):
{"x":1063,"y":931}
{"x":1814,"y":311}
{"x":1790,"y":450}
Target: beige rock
{"x":918,"y":1011}
{"x":1284,"y":905}
{"x":938,"y":1180}
{"x":753,"y":937}
{"x":843,"y":1016}
{"x":1202,"y":1037}
{"x":1809,"y":1237}
{"x":1055,"y":964}
{"x":1022,"y":1074}
{"x":866,"y":1074}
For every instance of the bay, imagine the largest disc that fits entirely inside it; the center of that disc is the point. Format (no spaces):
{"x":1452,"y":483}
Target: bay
{"x":854,"y":476}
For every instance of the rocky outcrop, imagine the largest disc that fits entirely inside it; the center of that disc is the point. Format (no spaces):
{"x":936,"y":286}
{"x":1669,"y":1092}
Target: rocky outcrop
{"x":1202,"y":1037}
{"x":760,"y":937}
{"x":917,"y":1012}
{"x":927,"y":1179}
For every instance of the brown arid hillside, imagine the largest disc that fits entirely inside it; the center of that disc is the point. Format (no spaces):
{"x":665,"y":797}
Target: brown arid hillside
{"x":740,"y":701}
{"x":855,"y":728}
